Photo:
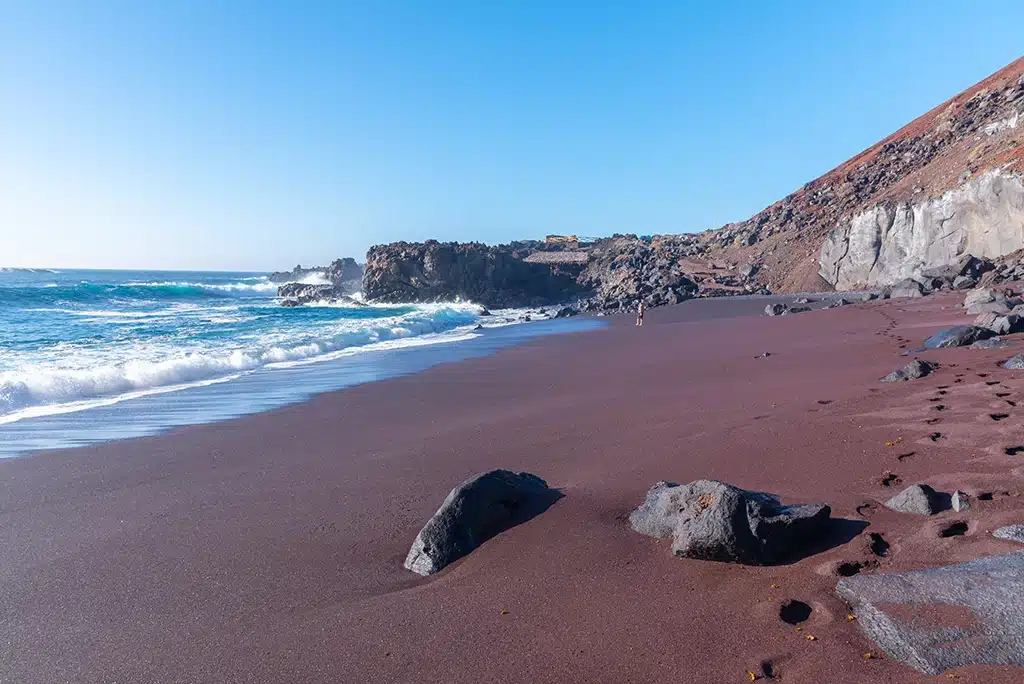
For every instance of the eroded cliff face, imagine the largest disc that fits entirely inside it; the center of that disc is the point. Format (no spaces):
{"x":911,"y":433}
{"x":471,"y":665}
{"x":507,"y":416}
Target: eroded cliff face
{"x":893,"y":241}
{"x":494,"y":276}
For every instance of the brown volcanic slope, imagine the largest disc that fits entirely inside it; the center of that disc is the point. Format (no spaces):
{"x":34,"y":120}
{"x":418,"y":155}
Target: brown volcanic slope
{"x":934,"y":153}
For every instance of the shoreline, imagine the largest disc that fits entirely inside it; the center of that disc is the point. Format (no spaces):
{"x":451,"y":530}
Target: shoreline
{"x":269,"y":547}
{"x":157,"y":410}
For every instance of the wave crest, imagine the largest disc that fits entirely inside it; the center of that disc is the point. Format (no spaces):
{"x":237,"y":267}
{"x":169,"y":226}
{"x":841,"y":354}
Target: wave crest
{"x":24,"y":391}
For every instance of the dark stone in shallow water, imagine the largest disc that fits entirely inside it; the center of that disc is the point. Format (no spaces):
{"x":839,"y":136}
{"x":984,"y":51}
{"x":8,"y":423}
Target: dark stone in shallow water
{"x":957,"y":336}
{"x":961,"y":615}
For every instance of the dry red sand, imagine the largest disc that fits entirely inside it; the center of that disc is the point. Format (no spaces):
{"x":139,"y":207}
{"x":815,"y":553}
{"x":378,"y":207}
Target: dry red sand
{"x":270,"y":548}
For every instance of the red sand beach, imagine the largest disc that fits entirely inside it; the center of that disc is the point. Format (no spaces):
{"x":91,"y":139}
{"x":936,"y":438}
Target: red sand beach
{"x":270,"y":548}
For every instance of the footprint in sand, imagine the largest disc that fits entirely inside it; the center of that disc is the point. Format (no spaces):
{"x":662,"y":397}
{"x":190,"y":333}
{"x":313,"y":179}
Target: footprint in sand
{"x":1011,"y":403}
{"x":1003,"y":394}
{"x":955,"y":529}
{"x":935,"y":436}
{"x":991,"y":382}
{"x":851,"y":568}
{"x":903,"y":457}
{"x":824,"y":402}
{"x":998,"y":416}
{"x":940,"y":407}
{"x":865,"y":510}
{"x":877,"y":544}
{"x":793,"y":612}
{"x":891,"y":480}
{"x":1014,"y":450}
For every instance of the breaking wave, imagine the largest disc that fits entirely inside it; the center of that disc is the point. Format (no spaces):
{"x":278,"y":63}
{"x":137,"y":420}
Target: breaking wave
{"x":61,"y":382}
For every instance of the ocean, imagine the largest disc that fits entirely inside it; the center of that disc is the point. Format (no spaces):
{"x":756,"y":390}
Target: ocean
{"x":90,"y":355}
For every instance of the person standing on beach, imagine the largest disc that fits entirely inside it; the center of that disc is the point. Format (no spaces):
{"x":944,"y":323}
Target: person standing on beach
{"x":640,"y":315}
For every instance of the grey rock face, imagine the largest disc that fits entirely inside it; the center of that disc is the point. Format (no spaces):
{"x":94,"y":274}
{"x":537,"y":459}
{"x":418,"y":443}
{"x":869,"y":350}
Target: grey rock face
{"x":997,"y":307}
{"x":1015,"y":362}
{"x":963,"y":282}
{"x":906,"y":288}
{"x":990,"y":343}
{"x":920,"y":632}
{"x":957,"y":336}
{"x":1010,"y":533}
{"x":776,"y":310}
{"x":475,"y":511}
{"x":981,"y":295}
{"x":912,"y":371}
{"x":888,"y":243}
{"x":919,"y":499}
{"x":712,"y":520}
{"x":1007,"y":325}
{"x":985,"y":320}
{"x":960,"y":501}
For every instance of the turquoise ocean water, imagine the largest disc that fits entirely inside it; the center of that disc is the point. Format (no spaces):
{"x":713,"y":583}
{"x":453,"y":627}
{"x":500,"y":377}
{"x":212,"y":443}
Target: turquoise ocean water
{"x":93,"y":355}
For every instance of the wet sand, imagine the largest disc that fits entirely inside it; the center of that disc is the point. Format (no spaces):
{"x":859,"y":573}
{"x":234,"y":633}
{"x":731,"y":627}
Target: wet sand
{"x":269,"y":548}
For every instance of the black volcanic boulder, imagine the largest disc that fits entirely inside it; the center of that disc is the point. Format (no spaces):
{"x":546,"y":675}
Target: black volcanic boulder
{"x":958,"y":336}
{"x":476,"y":510}
{"x":711,"y":520}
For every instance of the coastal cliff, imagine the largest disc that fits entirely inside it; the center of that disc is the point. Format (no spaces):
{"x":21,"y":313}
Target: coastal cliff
{"x":493,"y":276}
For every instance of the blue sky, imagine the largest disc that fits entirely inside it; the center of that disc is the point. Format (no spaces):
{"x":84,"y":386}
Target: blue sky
{"x":256,"y":135}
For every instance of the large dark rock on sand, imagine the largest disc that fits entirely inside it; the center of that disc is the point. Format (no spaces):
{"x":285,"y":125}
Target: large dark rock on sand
{"x":919,"y":499}
{"x":712,"y":520}
{"x":912,"y":371}
{"x":936,"y":620}
{"x":475,"y":511}
{"x":957,"y":336}
{"x":776,"y":310}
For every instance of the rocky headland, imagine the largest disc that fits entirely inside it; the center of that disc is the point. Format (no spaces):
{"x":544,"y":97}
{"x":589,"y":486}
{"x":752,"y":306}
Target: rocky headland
{"x":337,"y":281}
{"x":941,"y":198}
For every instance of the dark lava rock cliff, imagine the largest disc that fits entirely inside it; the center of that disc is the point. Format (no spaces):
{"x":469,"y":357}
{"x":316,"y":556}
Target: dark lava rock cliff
{"x":494,"y":276}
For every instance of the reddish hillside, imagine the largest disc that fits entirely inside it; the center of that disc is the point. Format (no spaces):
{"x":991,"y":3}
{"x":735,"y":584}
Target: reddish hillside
{"x":980,"y":129}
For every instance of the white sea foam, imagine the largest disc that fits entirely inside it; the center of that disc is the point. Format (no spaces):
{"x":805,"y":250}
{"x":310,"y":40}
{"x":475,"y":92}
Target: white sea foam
{"x":69,"y":379}
{"x":262,"y":285}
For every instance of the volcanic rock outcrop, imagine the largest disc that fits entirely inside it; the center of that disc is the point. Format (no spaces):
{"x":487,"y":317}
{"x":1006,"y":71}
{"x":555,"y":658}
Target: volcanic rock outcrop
{"x":494,"y":276}
{"x":332,"y":283}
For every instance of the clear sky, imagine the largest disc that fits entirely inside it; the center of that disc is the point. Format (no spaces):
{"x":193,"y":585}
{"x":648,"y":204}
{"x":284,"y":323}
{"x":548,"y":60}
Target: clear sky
{"x":256,"y":135}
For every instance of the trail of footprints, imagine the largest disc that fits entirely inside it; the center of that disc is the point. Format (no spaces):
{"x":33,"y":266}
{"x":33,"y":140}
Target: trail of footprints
{"x":878,"y":547}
